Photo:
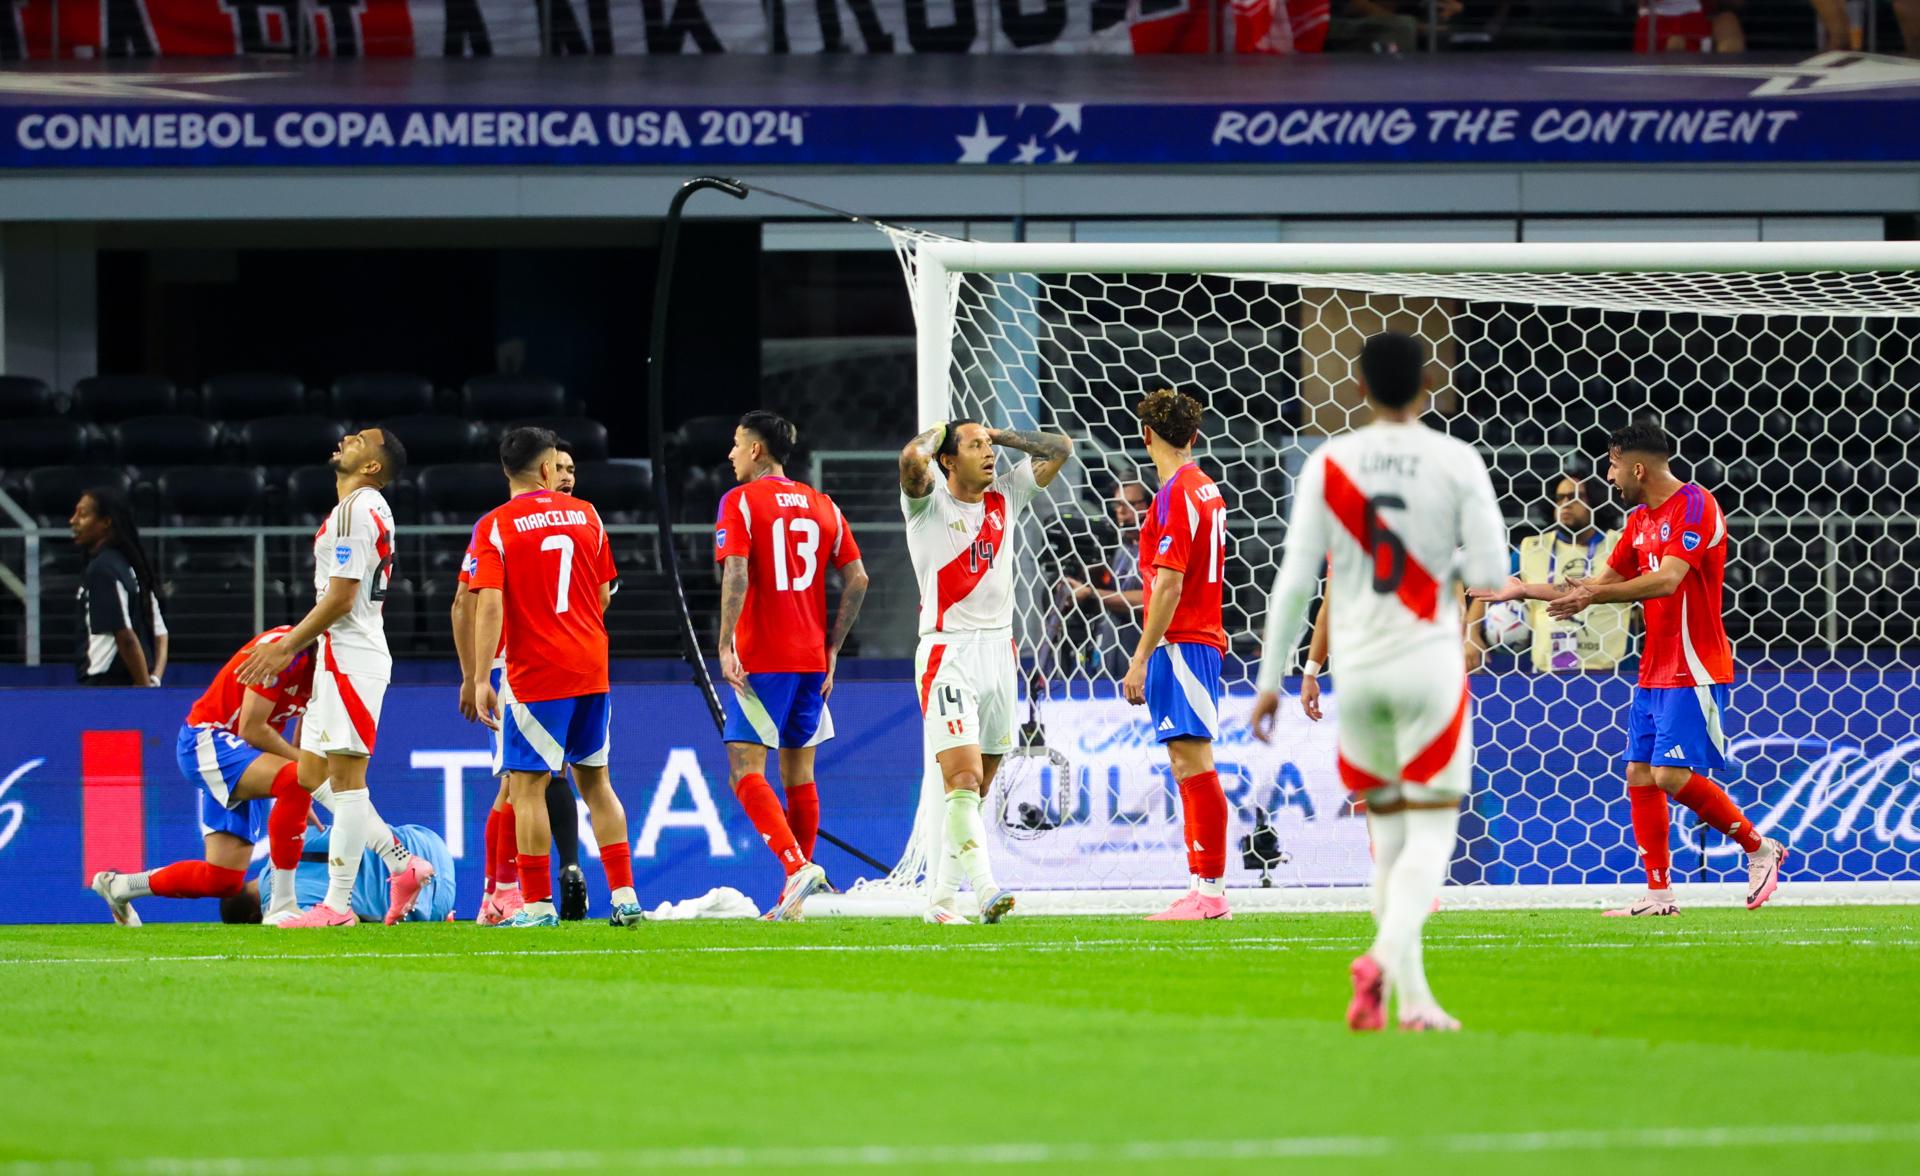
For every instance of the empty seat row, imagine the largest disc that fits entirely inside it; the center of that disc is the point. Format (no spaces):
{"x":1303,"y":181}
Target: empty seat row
{"x":247,"y":396}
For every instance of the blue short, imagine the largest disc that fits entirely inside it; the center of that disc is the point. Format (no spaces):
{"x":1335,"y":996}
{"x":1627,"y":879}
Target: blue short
{"x":1183,"y":692}
{"x":778,"y":710}
{"x":544,"y":736}
{"x":1678,"y":727}
{"x":215,"y":760}
{"x":495,"y":677}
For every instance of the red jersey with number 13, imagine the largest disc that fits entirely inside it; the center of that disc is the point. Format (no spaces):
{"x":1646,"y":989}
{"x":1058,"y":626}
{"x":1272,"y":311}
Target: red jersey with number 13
{"x":1686,"y":643}
{"x":789,"y":533}
{"x":1186,"y":531}
{"x":548,"y":554}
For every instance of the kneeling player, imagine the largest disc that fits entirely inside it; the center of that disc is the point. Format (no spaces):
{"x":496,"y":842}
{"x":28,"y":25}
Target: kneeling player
{"x":232,"y":749}
{"x":1176,"y":668}
{"x":308,"y":878}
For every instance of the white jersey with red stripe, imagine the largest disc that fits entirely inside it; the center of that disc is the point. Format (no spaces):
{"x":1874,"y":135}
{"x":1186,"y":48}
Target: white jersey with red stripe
{"x":356,"y":543}
{"x":962,"y":553}
{"x":1400,"y":514}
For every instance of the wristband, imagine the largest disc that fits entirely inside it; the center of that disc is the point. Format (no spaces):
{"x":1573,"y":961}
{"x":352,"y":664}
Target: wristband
{"x":1312,"y":669}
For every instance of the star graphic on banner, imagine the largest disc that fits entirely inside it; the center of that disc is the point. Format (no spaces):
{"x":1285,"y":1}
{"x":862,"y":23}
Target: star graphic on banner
{"x":156,"y":85}
{"x":1826,"y":73}
{"x":1062,"y":155}
{"x":1067,"y":115}
{"x":1030,"y":151}
{"x":979,"y":146}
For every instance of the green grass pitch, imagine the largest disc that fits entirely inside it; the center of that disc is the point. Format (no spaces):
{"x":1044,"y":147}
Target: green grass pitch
{"x":1708,"y":1043}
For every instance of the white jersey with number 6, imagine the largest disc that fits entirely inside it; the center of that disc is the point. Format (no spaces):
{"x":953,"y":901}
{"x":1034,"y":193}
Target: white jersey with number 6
{"x":962,"y":553}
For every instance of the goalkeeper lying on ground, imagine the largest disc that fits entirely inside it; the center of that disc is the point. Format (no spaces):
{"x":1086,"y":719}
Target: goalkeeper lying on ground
{"x":369,"y":886}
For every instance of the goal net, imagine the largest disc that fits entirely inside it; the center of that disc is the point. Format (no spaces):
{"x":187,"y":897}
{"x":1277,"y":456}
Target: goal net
{"x":1787,"y":375}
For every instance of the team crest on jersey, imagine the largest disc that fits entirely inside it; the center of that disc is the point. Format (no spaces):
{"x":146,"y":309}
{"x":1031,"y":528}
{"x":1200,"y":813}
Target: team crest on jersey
{"x":993,"y":519}
{"x":1689,"y":539}
{"x":1665,"y":532}
{"x":720,"y":537}
{"x":341,"y":555}
{"x":1166,"y":543}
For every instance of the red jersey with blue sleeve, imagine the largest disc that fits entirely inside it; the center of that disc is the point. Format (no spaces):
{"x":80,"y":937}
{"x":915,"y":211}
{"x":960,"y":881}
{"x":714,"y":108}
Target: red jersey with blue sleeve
{"x":789,"y":533}
{"x":1186,"y":530}
{"x":1686,"y":643}
{"x":548,"y":555}
{"x":288,"y":692}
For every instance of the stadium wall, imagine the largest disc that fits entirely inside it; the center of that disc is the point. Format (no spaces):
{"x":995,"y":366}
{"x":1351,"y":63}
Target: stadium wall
{"x":88,"y":781}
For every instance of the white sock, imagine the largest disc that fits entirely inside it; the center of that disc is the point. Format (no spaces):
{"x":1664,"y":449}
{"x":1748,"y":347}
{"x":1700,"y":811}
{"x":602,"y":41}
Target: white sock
{"x":543,"y":907}
{"x":967,"y":837}
{"x":283,"y":895}
{"x":1388,"y":836}
{"x":128,"y":887}
{"x":1211,"y":887}
{"x":498,"y":886}
{"x":323,"y":796}
{"x":944,"y":875}
{"x":352,"y":815}
{"x":1412,"y":885}
{"x":624,"y":895}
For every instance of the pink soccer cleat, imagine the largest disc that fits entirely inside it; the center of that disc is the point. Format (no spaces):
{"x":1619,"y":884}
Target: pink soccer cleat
{"x":1367,"y":1011}
{"x":1431,"y":1019}
{"x":1193,"y":907}
{"x":321,"y":915}
{"x":403,"y":889}
{"x":1763,"y":872}
{"x":1652,"y":903}
{"x":500,"y":906}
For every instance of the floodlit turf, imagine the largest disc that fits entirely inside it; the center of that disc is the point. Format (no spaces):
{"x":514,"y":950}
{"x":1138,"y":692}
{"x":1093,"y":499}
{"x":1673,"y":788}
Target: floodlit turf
{"x":1701,"y":1044}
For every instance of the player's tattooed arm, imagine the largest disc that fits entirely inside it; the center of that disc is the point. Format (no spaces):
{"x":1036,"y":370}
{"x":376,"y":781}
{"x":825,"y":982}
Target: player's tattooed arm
{"x":916,"y":460}
{"x":1050,"y":450}
{"x":853,"y":593}
{"x":733,"y":597}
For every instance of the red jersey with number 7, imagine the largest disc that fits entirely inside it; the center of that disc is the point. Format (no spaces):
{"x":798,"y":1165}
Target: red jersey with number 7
{"x":548,"y":555}
{"x":1186,"y":531}
{"x":790,"y":534}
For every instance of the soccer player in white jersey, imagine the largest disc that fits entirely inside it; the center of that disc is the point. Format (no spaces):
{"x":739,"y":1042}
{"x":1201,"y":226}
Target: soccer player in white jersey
{"x":352,"y":562}
{"x":960,"y":527}
{"x":1398,"y":513}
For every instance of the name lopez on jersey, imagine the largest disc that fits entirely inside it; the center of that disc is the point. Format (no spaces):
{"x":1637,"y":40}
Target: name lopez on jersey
{"x":550,"y":518}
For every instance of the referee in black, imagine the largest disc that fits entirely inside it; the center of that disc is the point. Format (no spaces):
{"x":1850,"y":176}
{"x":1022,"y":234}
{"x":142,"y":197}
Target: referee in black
{"x":123,"y":638}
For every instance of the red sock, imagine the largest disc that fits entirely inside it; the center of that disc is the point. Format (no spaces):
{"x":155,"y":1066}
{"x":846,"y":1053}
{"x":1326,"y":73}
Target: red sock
{"x":616,"y":858}
{"x":1711,"y":803}
{"x":287,"y":819}
{"x":763,"y":809}
{"x":196,"y":880}
{"x":803,"y":816}
{"x":1652,"y":828}
{"x":536,"y":877}
{"x":491,"y":841}
{"x":506,"y":866}
{"x":1204,"y":807}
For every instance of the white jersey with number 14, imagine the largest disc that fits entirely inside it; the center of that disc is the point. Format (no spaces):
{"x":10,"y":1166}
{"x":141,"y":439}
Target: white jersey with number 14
{"x":962,"y":553}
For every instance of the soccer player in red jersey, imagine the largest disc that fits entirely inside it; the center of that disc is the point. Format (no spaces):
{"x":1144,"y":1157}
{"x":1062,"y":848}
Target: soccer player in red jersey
{"x":233,"y":749}
{"x":1672,"y":557}
{"x":774,"y":540}
{"x":1176,"y":666}
{"x":543,"y":578}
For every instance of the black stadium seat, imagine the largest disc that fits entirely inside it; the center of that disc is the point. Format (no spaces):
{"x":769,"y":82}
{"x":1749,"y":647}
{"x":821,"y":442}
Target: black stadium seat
{"x":461,"y":492}
{"x":376,"y":395}
{"x":435,"y":440}
{"x":310,"y":495}
{"x":291,"y":440}
{"x":505,"y":398}
{"x":212,"y":495}
{"x":52,"y":491}
{"x":246,"y":396}
{"x":26,"y":396}
{"x":588,"y":437}
{"x":165,"y":440}
{"x":43,"y":441}
{"x":116,"y":398}
{"x":621,"y":491}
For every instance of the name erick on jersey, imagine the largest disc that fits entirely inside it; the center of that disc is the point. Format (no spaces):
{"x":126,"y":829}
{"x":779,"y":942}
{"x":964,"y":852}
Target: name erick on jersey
{"x":288,"y":693}
{"x":789,"y":533}
{"x":961,"y":552}
{"x":356,"y":543}
{"x":548,"y":554}
{"x":1686,"y":643}
{"x":1186,"y":530}
{"x":1399,"y":513}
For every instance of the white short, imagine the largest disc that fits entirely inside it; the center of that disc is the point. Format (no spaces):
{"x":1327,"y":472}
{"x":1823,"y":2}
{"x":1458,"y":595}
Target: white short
{"x":966,"y":687}
{"x":1405,"y":727}
{"x":344,"y":716}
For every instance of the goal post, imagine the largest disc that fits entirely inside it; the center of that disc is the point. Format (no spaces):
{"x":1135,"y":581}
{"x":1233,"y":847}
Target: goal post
{"x":1789,"y":375}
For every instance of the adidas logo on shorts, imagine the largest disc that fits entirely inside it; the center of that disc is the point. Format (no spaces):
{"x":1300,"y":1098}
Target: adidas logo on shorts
{"x":1677,"y":753}
{"x":1166,"y":724}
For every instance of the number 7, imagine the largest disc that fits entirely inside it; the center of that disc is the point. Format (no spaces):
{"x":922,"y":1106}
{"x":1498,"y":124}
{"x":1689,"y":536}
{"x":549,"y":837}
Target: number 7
{"x":564,"y":545}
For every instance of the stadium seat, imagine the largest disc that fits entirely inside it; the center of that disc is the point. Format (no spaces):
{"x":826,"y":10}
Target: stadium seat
{"x":246,"y":396}
{"x":26,"y":396}
{"x":116,"y":398}
{"x":435,"y":440}
{"x":621,"y":491}
{"x":43,"y":441}
{"x":51,"y":491}
{"x":291,"y":440}
{"x":165,"y":440}
{"x":379,"y":395}
{"x":458,"y":494}
{"x":505,"y":398}
{"x":309,"y":494}
{"x":588,"y":437}
{"x":211,"y":495}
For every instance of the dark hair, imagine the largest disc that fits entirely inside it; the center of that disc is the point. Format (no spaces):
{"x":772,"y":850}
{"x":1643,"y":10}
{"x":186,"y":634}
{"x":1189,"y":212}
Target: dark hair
{"x":241,"y":907}
{"x":950,"y":444}
{"x":563,"y":445}
{"x":521,"y":448}
{"x":118,"y":509}
{"x":393,"y":456}
{"x":776,"y":432}
{"x":1642,"y":437}
{"x":1173,"y":416}
{"x":1391,"y":363}
{"x":1585,"y":487}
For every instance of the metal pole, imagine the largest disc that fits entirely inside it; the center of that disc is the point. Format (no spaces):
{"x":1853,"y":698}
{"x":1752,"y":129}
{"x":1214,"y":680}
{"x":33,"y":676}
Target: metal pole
{"x":1833,"y":584}
{"x":259,"y":582}
{"x":32,"y":548}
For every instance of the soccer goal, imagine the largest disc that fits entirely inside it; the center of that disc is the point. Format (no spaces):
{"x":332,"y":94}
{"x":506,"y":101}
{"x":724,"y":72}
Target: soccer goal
{"x":1787,"y":374}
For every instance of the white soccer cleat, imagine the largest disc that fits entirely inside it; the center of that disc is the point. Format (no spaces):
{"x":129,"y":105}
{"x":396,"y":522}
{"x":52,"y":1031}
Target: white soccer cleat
{"x":1763,"y":872}
{"x":1427,"y":1019}
{"x":944,"y":915}
{"x":995,"y":905}
{"x":806,"y":880}
{"x":275,"y":918}
{"x":1653,"y":902}
{"x":123,"y":912}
